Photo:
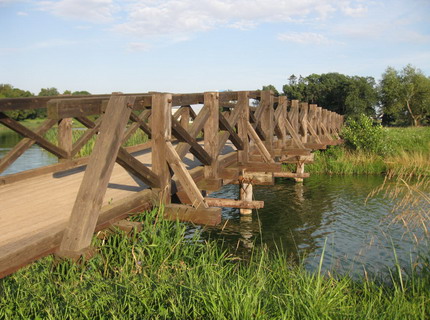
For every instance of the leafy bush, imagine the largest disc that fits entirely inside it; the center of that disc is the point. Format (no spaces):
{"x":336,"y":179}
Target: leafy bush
{"x":362,"y":134}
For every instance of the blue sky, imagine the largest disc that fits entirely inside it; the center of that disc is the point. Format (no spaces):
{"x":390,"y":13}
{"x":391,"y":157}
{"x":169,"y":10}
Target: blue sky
{"x":204,"y":45}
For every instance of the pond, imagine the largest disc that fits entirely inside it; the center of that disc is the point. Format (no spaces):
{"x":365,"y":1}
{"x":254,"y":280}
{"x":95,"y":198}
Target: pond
{"x":325,"y":213}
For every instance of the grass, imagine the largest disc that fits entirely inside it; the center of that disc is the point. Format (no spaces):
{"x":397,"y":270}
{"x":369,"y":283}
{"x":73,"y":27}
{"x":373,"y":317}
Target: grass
{"x":409,"y":154}
{"x":161,"y":274}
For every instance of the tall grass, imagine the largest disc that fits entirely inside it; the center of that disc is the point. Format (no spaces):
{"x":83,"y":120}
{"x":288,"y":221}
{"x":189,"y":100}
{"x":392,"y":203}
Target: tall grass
{"x":160,"y":274}
{"x":409,"y":155}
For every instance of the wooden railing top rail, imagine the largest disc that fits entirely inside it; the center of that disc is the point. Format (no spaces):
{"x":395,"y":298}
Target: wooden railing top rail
{"x":142,"y":100}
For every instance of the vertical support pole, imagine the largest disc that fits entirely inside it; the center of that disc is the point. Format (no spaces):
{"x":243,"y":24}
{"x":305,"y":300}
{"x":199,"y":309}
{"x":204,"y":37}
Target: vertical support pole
{"x":311,"y":119}
{"x":245,"y":193}
{"x":300,"y":169}
{"x":161,"y":132}
{"x":65,"y":139}
{"x":83,"y":219}
{"x":267,"y":118}
{"x":303,"y":120}
{"x":211,"y":100}
{"x":283,"y":102}
{"x":318,"y":122}
{"x":243,"y":104}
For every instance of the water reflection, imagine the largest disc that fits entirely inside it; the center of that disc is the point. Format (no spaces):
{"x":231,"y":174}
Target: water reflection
{"x":325,"y":213}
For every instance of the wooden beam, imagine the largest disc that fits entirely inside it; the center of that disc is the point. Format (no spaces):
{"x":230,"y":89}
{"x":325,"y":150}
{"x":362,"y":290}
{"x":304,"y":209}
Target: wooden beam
{"x":266,"y":118}
{"x":142,"y":117}
{"x":185,"y":213}
{"x":291,"y":175}
{"x":233,"y":203}
{"x":137,"y":168}
{"x":196,"y":149}
{"x":24,"y":131}
{"x":86,"y":136}
{"x":211,"y":128}
{"x":184,"y":176}
{"x":242,"y":127}
{"x":64,"y":137}
{"x":261,"y":147}
{"x":257,"y":126}
{"x":23,"y":145}
{"x":161,"y":132}
{"x":142,"y":124}
{"x":83,"y":219}
{"x":71,"y":108}
{"x":234,"y":137}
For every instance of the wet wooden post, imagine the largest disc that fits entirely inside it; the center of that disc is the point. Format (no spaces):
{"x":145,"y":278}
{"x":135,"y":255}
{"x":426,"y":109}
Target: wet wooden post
{"x":83,"y":219}
{"x":243,"y":104}
{"x":161,"y":132}
{"x":266,"y":119}
{"x":211,"y":128}
{"x":65,"y":138}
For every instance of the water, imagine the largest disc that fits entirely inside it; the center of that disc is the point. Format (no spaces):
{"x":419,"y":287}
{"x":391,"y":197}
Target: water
{"x":327,"y":213}
{"x":34,"y":157}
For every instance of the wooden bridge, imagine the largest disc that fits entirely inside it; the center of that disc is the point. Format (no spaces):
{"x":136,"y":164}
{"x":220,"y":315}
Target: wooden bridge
{"x":236,"y":137}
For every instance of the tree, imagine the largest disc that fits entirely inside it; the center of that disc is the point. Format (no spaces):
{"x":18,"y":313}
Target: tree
{"x":405,"y":94}
{"x":272,"y":88}
{"x":8,"y":91}
{"x":81,"y":93}
{"x":47,"y":92}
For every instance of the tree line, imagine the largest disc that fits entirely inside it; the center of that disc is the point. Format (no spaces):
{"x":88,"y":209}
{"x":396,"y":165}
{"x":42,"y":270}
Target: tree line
{"x":8,"y":91}
{"x":402,"y":97}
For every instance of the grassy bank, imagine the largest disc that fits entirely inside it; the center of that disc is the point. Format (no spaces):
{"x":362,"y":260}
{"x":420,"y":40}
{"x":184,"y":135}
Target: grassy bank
{"x":159,"y":274}
{"x":408,"y":152}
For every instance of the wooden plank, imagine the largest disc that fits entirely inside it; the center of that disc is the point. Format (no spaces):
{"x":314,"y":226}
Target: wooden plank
{"x":261,"y":167}
{"x":161,"y":132}
{"x":257,"y":126}
{"x":233,"y":203}
{"x":24,"y":131}
{"x":232,"y":119}
{"x":293,"y":115}
{"x":23,"y":145}
{"x":86,"y":122}
{"x":234,"y":137}
{"x":196,"y":149}
{"x":187,"y":99}
{"x":261,"y":147}
{"x":137,"y":168}
{"x":185,"y":213}
{"x":184,"y":177}
{"x":242,"y":128}
{"x":303,"y":121}
{"x":211,"y":128}
{"x":209,"y":184}
{"x":83,"y":219}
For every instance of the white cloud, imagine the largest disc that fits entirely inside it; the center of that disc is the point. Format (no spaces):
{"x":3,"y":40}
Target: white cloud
{"x":305,"y":38}
{"x":155,"y":17}
{"x":22,"y":13}
{"x":98,"y":11}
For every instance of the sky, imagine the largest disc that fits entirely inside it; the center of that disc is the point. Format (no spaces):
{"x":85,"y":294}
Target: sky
{"x":182,"y":46}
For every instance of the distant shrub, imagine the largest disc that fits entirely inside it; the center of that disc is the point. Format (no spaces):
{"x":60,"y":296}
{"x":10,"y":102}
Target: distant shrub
{"x":362,"y":134}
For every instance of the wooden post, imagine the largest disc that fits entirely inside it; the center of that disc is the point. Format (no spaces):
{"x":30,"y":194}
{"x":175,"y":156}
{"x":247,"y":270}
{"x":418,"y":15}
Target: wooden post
{"x":161,"y":132}
{"x":245,"y":194}
{"x":282,"y":104}
{"x":185,"y":117}
{"x":304,"y":121}
{"x":65,"y":139}
{"x":83,"y":219}
{"x":211,"y":128}
{"x":243,"y":104}
{"x":300,"y":170}
{"x":266,"y":118}
{"x":294,"y":115}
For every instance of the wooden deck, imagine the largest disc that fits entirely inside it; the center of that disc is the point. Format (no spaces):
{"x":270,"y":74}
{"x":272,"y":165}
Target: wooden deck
{"x":41,"y":210}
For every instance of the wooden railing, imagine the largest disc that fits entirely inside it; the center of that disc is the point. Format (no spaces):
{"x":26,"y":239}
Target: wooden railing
{"x":265,"y":131}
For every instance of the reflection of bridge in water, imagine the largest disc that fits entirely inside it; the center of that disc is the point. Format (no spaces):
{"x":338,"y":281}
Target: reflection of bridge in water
{"x":57,"y":208}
